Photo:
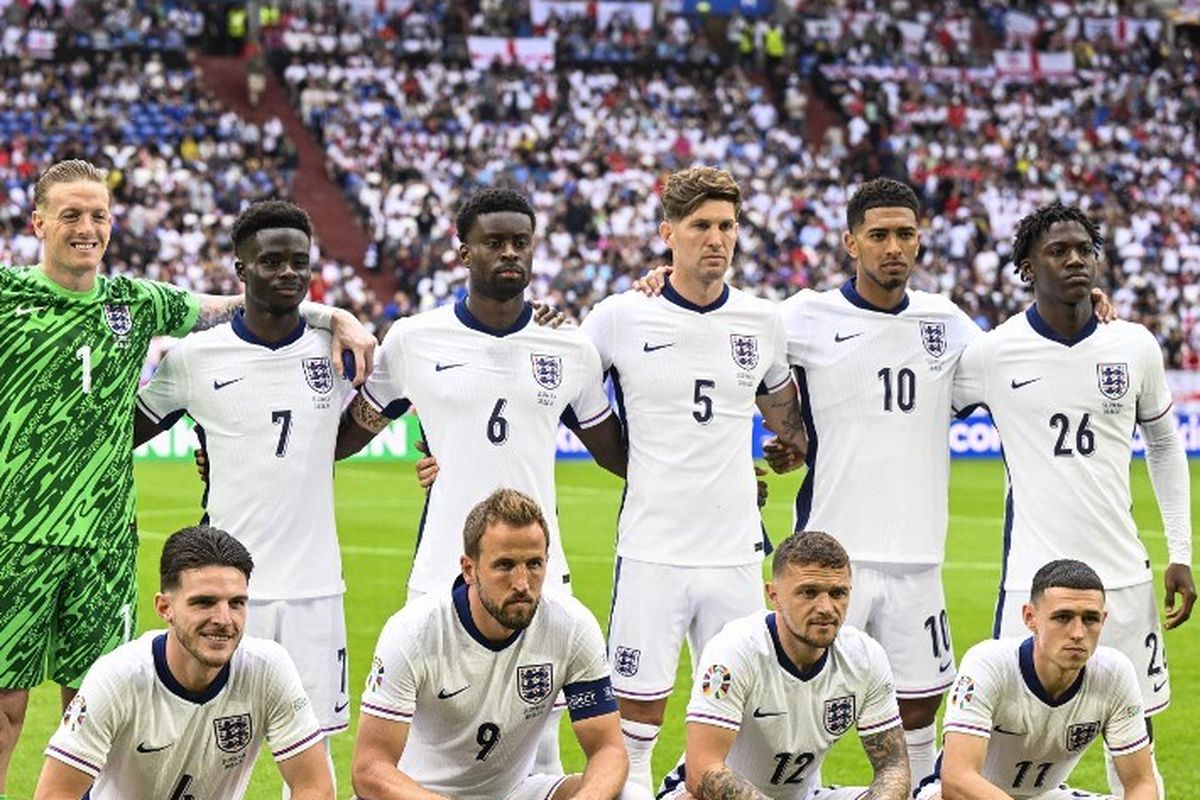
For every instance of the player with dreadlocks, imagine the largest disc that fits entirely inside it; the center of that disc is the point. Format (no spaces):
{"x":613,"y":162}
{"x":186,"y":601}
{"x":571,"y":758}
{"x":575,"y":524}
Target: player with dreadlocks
{"x":1065,"y":393}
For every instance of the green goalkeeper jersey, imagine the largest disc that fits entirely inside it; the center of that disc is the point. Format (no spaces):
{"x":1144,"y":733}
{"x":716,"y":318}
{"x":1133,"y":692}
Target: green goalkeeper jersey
{"x":69,"y":369}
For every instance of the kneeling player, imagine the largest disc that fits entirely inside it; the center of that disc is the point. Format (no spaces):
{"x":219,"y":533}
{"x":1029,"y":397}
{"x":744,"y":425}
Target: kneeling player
{"x":463,"y":681}
{"x":1023,"y":711}
{"x":182,"y":713}
{"x":777,"y":689}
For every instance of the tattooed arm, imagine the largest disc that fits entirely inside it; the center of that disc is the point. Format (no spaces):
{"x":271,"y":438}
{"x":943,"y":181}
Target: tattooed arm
{"x":360,"y":423}
{"x":708,"y":777}
{"x":889,"y":758}
{"x":217,"y":308}
{"x":782,"y":417}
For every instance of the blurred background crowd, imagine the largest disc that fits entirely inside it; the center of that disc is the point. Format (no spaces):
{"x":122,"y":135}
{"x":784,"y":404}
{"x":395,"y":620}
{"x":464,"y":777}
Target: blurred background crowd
{"x":988,"y":109}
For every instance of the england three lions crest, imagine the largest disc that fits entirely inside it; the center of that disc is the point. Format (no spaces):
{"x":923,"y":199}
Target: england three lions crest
{"x":744,"y":350}
{"x":233,"y":733}
{"x":535,"y":682}
{"x":933,"y":337}
{"x":119,"y":320}
{"x":547,"y":370}
{"x":318,"y":374}
{"x":1113,"y":380}
{"x":839,"y":714}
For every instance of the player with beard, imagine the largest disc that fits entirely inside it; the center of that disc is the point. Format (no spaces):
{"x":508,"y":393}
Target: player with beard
{"x":181,"y":713}
{"x":464,"y":681}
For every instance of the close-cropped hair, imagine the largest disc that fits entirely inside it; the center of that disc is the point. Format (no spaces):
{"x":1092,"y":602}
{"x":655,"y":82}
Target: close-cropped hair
{"x":506,"y":506}
{"x":492,"y":201}
{"x":267,"y":215}
{"x":880,"y":193}
{"x":687,"y":189}
{"x":1033,"y":227}
{"x":810,"y":548}
{"x":72,"y":170}
{"x":1065,"y":573}
{"x":197,"y":547}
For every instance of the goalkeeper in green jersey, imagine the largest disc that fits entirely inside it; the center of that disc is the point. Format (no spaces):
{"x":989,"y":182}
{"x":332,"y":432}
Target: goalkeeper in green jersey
{"x":72,"y":345}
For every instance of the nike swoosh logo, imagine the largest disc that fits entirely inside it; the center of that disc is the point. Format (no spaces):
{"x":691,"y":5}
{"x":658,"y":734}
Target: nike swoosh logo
{"x":760,"y":714}
{"x":340,"y":707}
{"x":998,"y":729}
{"x":1016,"y":384}
{"x":837,"y":337}
{"x":650,"y":348}
{"x":443,"y":367}
{"x":1158,"y":687}
{"x":444,"y":695}
{"x":23,"y":310}
{"x":142,"y":748}
{"x":946,"y":666}
{"x":218,"y":385}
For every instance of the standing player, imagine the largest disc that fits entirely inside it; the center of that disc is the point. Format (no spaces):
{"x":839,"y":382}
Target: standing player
{"x":72,"y":345}
{"x":181,"y":713}
{"x":1065,"y":395}
{"x":1024,"y":710}
{"x":875,"y":365}
{"x":688,"y":368}
{"x":780,"y":688}
{"x":463,"y":681}
{"x":266,"y":402}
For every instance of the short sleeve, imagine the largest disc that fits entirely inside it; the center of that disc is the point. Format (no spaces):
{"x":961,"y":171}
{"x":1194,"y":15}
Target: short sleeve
{"x":1125,"y":728}
{"x":590,"y":405}
{"x":778,"y":374}
{"x":1154,"y":397}
{"x":385,"y":387}
{"x":175,"y":310}
{"x":165,"y":397}
{"x":965,"y":330}
{"x":973,"y":699}
{"x":598,"y":327}
{"x":723,"y":686}
{"x":588,"y":685}
{"x":89,"y":725}
{"x":393,"y":681}
{"x":792,"y":319}
{"x":970,"y":377}
{"x":879,"y":710}
{"x":292,"y":725}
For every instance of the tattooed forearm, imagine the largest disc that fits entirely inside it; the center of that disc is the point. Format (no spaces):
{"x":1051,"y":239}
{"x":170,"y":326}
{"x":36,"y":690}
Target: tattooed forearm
{"x":366,"y":416}
{"x":722,"y":783}
{"x":215,"y":309}
{"x":782,"y":416}
{"x":889,"y":758}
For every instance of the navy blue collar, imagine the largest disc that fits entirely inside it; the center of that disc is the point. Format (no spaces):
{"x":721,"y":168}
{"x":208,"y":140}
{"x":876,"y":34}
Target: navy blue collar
{"x":159,"y":648}
{"x":1025,"y":658}
{"x":788,"y":665}
{"x":462,"y":606}
{"x":1042,"y":329}
{"x":671,"y":294}
{"x":850,"y":292}
{"x":245,"y":334}
{"x":467,"y":318}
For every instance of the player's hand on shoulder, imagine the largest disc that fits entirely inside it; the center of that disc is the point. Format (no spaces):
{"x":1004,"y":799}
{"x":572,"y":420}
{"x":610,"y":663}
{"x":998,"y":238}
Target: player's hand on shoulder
{"x":353,"y":346}
{"x":782,"y":456}
{"x":653,"y":282}
{"x":545,"y":313}
{"x":1178,"y":579}
{"x":427,"y":467}
{"x":1102,"y":306}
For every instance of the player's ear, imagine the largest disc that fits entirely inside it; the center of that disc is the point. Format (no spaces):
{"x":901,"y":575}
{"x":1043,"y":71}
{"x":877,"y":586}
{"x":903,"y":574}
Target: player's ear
{"x":665,"y":232}
{"x":464,"y":254}
{"x":770,"y":592}
{"x":1025,"y":271}
{"x":1028,"y":614}
{"x":39,"y":224}
{"x":468,"y":568}
{"x":850,"y":243}
{"x":162,"y":606}
{"x":239,"y":269}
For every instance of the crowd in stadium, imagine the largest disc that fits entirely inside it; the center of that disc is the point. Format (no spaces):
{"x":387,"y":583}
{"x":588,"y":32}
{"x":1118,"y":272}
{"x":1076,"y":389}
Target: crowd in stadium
{"x":408,"y":127}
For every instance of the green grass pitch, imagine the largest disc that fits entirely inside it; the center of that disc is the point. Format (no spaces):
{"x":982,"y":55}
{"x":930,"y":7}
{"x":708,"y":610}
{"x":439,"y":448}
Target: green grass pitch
{"x":378,"y":509}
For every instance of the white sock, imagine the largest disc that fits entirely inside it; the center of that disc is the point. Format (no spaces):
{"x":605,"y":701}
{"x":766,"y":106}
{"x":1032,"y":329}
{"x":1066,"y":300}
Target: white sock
{"x":287,"y":792}
{"x":921,"y":752}
{"x":547,"y":761}
{"x":631,"y":791}
{"x":639,"y":743}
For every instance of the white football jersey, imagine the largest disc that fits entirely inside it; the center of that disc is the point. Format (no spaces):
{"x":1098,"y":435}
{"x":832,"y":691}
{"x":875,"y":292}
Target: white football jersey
{"x":1066,"y":413}
{"x":476,"y":707}
{"x":786,"y":719}
{"x":1033,"y":741}
{"x":490,"y":403}
{"x":267,"y":415}
{"x":686,"y":379}
{"x":139,"y":733}
{"x":875,"y":387}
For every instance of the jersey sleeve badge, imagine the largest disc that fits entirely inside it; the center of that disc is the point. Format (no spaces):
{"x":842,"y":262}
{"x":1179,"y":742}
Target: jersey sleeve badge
{"x":716,"y":682}
{"x":76,"y":714}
